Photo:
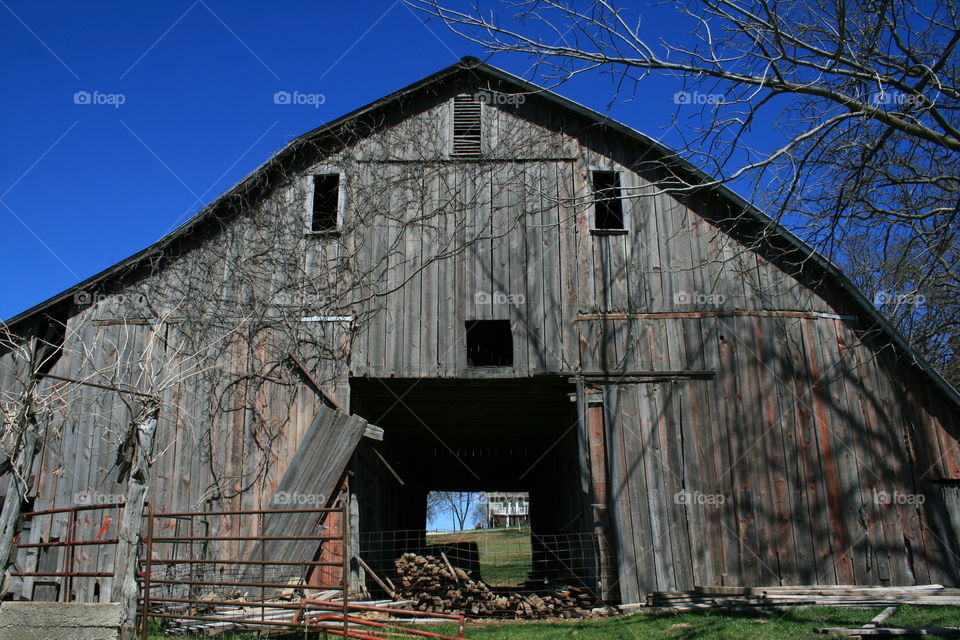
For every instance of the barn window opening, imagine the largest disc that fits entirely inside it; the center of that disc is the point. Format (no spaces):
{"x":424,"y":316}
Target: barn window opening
{"x":608,"y":203}
{"x":489,"y":343}
{"x":326,"y":203}
{"x":493,"y":544}
{"x":466,"y":126}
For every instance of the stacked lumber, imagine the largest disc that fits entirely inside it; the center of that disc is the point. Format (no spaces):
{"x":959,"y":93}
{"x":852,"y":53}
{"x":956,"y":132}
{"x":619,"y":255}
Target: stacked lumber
{"x":250,"y":615}
{"x":821,"y":595}
{"x":436,"y":585}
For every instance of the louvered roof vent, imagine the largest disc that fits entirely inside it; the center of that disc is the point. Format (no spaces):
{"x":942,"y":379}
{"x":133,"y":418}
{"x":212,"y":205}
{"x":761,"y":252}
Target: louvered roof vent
{"x":466,"y":126}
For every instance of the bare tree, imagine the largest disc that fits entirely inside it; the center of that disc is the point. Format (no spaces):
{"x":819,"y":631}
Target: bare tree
{"x":128,"y":365}
{"x":460,"y":505}
{"x":861,"y":99}
{"x":24,"y":408}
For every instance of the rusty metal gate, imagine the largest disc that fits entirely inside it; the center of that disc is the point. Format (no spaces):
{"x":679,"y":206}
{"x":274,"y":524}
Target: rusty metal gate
{"x":209,"y":571}
{"x":199,"y":580}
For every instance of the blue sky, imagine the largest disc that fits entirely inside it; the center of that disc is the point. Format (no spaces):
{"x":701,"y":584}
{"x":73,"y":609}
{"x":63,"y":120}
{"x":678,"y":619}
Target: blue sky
{"x":445,"y":522}
{"x":122,"y":119}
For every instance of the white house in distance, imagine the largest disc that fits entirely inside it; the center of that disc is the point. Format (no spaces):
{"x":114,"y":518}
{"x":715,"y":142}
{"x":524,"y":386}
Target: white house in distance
{"x":505,"y":509}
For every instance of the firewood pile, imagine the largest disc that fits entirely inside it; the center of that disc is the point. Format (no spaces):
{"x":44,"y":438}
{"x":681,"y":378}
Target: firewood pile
{"x":434,"y":584}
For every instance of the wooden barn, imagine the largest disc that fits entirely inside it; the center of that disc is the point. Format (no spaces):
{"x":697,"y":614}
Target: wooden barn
{"x":503,"y":291}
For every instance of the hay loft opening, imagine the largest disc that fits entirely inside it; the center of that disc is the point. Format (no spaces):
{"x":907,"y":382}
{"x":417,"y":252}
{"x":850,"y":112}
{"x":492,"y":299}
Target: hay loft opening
{"x":489,"y":343}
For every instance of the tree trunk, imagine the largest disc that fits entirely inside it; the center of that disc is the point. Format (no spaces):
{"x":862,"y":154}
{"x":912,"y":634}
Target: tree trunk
{"x":128,"y":532}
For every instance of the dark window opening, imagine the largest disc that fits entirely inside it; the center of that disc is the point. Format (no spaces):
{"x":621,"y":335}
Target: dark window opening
{"x":608,"y":206}
{"x":466,"y":126}
{"x":326,"y":202}
{"x":489,"y":343}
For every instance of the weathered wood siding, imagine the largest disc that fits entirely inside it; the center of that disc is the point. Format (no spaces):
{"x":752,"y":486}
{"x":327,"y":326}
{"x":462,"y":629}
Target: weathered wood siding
{"x":807,"y":417}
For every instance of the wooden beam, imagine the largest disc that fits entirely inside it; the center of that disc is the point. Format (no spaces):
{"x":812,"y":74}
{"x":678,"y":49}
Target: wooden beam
{"x":387,"y":465}
{"x":674,"y":315}
{"x":883,"y":616}
{"x":680,"y":373}
{"x":620,"y":375}
{"x":375,"y":577}
{"x":122,"y":322}
{"x":889,"y":631}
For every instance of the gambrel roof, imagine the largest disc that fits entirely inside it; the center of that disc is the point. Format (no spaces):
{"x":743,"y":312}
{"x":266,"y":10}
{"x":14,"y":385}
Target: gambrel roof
{"x":481,"y":71}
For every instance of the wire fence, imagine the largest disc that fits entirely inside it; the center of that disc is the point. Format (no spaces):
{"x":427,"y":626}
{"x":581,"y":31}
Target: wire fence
{"x":485,"y":571}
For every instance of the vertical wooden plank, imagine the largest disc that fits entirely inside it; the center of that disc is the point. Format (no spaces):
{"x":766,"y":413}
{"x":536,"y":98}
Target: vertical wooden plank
{"x":779,"y":538}
{"x":718,"y":449}
{"x":389,"y":319}
{"x":790,"y":376}
{"x":430,"y":278}
{"x":587,"y":296}
{"x":463,"y":282}
{"x":483,"y":229}
{"x":729,"y":358}
{"x":552,"y":269}
{"x":505,"y":196}
{"x":567,"y":230}
{"x":700,"y":458}
{"x":534,"y":245}
{"x":687,"y":290}
{"x":411,"y":310}
{"x":447,"y":291}
{"x":819,"y":370}
{"x":678,"y":445}
{"x":623,"y":499}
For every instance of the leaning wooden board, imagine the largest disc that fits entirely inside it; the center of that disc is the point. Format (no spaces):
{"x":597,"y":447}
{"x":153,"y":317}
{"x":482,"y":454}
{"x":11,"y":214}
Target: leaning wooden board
{"x":309,"y":481}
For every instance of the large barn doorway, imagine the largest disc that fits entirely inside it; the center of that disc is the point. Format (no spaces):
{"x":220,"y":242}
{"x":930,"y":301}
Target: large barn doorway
{"x":489,"y":435}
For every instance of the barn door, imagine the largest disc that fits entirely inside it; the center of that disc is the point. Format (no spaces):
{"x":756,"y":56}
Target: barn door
{"x":593,"y":463}
{"x":648,"y":488}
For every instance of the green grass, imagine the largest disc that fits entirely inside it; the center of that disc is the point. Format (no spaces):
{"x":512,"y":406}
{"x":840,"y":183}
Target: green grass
{"x":505,"y":554}
{"x":792,"y":623}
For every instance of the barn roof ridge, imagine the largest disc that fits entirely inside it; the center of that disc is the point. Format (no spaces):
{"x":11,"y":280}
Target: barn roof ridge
{"x":472,"y":64}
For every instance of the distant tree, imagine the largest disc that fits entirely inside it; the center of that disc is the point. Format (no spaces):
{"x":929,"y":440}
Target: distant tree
{"x":461,"y":505}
